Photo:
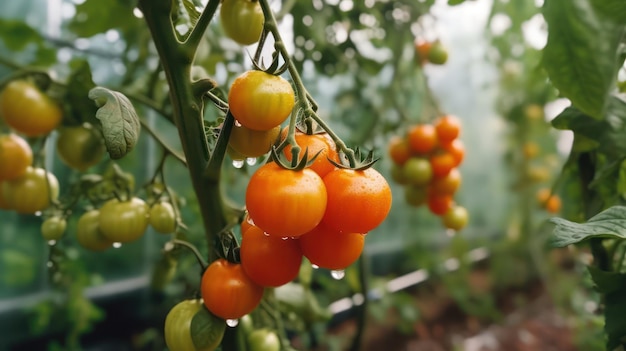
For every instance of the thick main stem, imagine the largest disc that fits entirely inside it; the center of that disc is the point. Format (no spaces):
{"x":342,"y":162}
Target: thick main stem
{"x":187,"y":112}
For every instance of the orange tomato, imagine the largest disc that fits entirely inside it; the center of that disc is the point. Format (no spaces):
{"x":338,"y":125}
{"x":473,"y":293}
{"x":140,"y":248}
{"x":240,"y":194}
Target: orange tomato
{"x":315,"y":143}
{"x":330,"y":249}
{"x":28,"y":110}
{"x":447,"y":184}
{"x":442,"y":163}
{"x":399,"y":150}
{"x":422,"y":138}
{"x":15,"y":156}
{"x":252,"y":143}
{"x":448,"y":128}
{"x":439,"y":204}
{"x":457,"y":149}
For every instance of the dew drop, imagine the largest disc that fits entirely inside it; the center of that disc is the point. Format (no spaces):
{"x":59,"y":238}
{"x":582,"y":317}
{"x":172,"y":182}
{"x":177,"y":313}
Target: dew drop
{"x":49,"y":264}
{"x":238,"y":163}
{"x":266,"y":233}
{"x":52,"y":242}
{"x":338,"y":274}
{"x":38,"y":213}
{"x":117,"y":245}
{"x":314,"y":266}
{"x":232,"y":322}
{"x":251,"y":161}
{"x":237,"y":124}
{"x":285,"y":238}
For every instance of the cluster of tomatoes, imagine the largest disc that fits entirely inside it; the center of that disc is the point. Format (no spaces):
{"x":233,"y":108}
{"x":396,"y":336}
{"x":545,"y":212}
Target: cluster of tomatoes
{"x":430,"y":52}
{"x":426,"y":160}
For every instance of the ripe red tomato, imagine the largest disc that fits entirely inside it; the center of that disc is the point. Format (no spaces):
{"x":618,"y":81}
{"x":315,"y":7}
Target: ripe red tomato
{"x":448,"y":128}
{"x":439,"y":203}
{"x":442,"y":163}
{"x":80,"y":147}
{"x":358,"y":201}
{"x":178,"y":327}
{"x":447,"y":184}
{"x":284,"y":202}
{"x":88,"y":232}
{"x":252,"y":143}
{"x":399,"y":150}
{"x":422,"y":138}
{"x":32,"y":192}
{"x":242,"y":20}
{"x":269,"y":260}
{"x":227,"y":291}
{"x":331,"y":249}
{"x":28,"y":110}
{"x":124,"y":221}
{"x":246,"y":224}
{"x":455,"y":218}
{"x":15,"y":156}
{"x":260,"y":100}
{"x":315,"y":143}
{"x":457,"y":149}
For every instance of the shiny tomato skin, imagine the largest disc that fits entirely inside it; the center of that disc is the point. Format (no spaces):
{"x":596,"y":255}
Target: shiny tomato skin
{"x":268,"y":260}
{"x":227,"y":291}
{"x":330,"y":249}
{"x":448,"y":128}
{"x":252,"y":143}
{"x":32,"y":191}
{"x":260,"y":100}
{"x":422,"y":138}
{"x":284,"y":202}
{"x":246,"y":224}
{"x":178,"y":327}
{"x":315,"y":143}
{"x":88,"y":232}
{"x":53,"y":228}
{"x":28,"y":110}
{"x":124,"y":221}
{"x":358,"y":201}
{"x":242,"y":20}
{"x":163,"y":217}
{"x":16,"y":156}
{"x":442,"y":163}
{"x":80,"y":147}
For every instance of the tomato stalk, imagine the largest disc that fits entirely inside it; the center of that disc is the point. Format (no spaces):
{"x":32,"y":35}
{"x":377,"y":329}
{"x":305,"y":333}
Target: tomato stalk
{"x":176,"y":59}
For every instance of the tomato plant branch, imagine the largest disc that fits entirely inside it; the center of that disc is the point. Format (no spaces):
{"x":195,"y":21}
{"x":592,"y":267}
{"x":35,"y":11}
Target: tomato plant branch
{"x":151,"y":104}
{"x":187,"y":111}
{"x":190,"y":46}
{"x":153,"y":133}
{"x":193,"y":249}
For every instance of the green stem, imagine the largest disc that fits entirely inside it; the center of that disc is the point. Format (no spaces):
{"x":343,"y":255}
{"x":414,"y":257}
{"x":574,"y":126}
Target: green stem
{"x":190,"y":46}
{"x":187,"y":112}
{"x":362,"y":309}
{"x":149,"y":103}
{"x":162,"y":142}
{"x":193,"y":249}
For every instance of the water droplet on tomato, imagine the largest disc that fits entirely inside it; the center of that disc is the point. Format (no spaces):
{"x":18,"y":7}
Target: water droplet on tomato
{"x":117,"y":245}
{"x":285,"y":238}
{"x":237,"y":124}
{"x":314,"y":266}
{"x":266,"y":233}
{"x":238,"y":163}
{"x":232,"y":322}
{"x":251,"y":161}
{"x":338,"y":274}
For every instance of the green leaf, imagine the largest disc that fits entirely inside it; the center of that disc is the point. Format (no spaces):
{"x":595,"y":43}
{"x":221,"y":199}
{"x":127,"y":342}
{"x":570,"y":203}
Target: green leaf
{"x":16,"y":34}
{"x":613,"y":286}
{"x":455,"y":2}
{"x":79,"y":82}
{"x":120,"y":124}
{"x":610,"y":223}
{"x":206,"y":330}
{"x":579,"y":64}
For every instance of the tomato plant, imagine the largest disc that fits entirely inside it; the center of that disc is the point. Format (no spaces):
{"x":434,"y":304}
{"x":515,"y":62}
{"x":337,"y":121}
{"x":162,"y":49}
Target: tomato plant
{"x":358,"y":200}
{"x":15,"y":156}
{"x":269,"y":260}
{"x":28,"y":110}
{"x":32,"y":192}
{"x":242,"y":20}
{"x":80,"y":147}
{"x":124,"y":221}
{"x":285,"y":202}
{"x":179,"y":333}
{"x":260,"y":100}
{"x":331,"y":249}
{"x":227,"y":291}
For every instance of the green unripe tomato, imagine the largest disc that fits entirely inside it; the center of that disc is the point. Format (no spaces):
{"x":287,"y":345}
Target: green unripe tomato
{"x":189,"y":326}
{"x":80,"y":147}
{"x":124,"y":221}
{"x":163,"y":217}
{"x":417,"y":171}
{"x":455,"y":218}
{"x":53,"y":228}
{"x":437,"y":54}
{"x":415,"y":195}
{"x":263,"y":340}
{"x":242,"y":20}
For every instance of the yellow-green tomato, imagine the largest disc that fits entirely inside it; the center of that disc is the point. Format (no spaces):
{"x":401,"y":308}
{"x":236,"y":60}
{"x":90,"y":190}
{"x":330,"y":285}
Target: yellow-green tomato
{"x":163,"y":217}
{"x":88,"y":232}
{"x":124,"y":221}
{"x":189,"y":326}
{"x":31,"y":192}
{"x":263,"y":340}
{"x":242,"y":20}
{"x":53,"y":228}
{"x":252,"y":143}
{"x":80,"y":147}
